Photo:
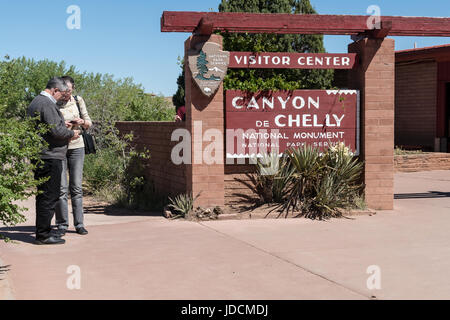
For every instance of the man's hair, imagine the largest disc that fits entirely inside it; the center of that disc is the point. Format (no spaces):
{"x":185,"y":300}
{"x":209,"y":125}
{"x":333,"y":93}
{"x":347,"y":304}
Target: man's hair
{"x":69,"y":79}
{"x":57,"y":83}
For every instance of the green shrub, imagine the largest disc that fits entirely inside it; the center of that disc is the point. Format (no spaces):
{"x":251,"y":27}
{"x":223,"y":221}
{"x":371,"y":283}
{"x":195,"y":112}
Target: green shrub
{"x":314,"y":184}
{"x":116,"y":173}
{"x":324,"y":184}
{"x":150,"y":108}
{"x":139,"y":191}
{"x":273,"y":174}
{"x":183,"y":205}
{"x":103,"y":169}
{"x":20,"y":145}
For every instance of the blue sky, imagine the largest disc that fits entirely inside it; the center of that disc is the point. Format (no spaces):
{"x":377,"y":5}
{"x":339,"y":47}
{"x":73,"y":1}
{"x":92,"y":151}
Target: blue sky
{"x":123,"y":38}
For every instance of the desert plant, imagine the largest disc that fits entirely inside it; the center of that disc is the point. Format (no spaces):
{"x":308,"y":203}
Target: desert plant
{"x":272,"y":177}
{"x":282,"y":180}
{"x":266,"y":169}
{"x":311,"y":183}
{"x":323,"y":184}
{"x":306,"y":167}
{"x":183,"y":205}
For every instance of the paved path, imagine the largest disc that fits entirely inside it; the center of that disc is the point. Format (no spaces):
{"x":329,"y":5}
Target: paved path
{"x":145,"y":257}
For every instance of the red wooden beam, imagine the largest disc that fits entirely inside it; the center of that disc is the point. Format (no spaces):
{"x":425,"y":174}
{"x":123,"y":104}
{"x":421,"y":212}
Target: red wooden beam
{"x":176,"y":21}
{"x":205,"y":27}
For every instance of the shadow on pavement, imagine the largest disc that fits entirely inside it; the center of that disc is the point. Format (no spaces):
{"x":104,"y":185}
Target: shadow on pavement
{"x":110,"y":210}
{"x":22,"y":234}
{"x":425,"y":195}
{"x":4,"y":270}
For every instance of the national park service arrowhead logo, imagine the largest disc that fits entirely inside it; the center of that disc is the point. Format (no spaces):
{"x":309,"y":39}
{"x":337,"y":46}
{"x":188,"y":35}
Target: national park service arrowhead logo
{"x":209,"y":65}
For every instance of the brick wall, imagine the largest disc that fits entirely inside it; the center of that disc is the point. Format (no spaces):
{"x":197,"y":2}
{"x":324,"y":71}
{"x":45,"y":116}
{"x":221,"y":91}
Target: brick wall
{"x":167,"y":177}
{"x":415,"y":104}
{"x":171,"y":179}
{"x":422,"y":162}
{"x":238,"y":183}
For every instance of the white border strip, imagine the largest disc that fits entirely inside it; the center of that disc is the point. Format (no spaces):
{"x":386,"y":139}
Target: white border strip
{"x":358,"y":123}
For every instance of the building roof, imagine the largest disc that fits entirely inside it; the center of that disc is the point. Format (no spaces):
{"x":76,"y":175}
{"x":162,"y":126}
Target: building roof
{"x":436,"y":53}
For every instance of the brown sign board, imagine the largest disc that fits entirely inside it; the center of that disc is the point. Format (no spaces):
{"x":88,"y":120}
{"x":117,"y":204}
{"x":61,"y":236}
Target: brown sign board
{"x":263,"y":122}
{"x":289,"y":60}
{"x":209,"y":65}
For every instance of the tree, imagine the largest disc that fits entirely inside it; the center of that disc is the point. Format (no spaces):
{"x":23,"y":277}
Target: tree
{"x":22,"y":79}
{"x":107,"y":98}
{"x":178,"y":97}
{"x":272,"y":79}
{"x":202,"y":66}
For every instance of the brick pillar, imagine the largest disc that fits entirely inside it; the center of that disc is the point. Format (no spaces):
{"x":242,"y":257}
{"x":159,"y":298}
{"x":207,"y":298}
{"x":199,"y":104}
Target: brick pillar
{"x":375,"y":78}
{"x":208,"y":180}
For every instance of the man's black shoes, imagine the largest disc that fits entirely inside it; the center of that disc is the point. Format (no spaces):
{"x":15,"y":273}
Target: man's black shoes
{"x":59,"y":233}
{"x":55,"y":237}
{"x":82,"y":231}
{"x":50,"y":241}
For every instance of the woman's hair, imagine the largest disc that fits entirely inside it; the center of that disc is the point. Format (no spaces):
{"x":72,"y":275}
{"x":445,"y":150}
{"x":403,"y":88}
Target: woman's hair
{"x":69,"y":79}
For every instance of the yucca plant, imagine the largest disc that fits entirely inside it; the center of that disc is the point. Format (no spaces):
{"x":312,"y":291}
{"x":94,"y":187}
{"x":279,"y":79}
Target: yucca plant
{"x":272,"y":177}
{"x":183,"y":205}
{"x":306,"y":168}
{"x":322,"y":183}
{"x":282,"y":180}
{"x":267,"y":168}
{"x":343,"y":176}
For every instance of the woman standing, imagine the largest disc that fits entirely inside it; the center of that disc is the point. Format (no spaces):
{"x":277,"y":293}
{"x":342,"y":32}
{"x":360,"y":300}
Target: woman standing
{"x":76,"y":115}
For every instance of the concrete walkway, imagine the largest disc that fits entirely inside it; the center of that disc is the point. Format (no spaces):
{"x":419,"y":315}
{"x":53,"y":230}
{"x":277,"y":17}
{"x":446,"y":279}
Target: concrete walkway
{"x":145,"y":257}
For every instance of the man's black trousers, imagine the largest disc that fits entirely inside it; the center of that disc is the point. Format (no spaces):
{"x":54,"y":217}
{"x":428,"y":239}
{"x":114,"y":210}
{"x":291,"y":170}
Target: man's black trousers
{"x":48,"y":195}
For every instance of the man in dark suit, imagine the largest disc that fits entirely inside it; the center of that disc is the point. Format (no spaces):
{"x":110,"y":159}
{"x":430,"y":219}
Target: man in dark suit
{"x":45,"y":108}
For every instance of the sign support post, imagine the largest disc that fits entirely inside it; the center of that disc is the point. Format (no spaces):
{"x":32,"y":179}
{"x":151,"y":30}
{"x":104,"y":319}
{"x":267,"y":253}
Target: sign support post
{"x":204,"y":113}
{"x":375,"y":78}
